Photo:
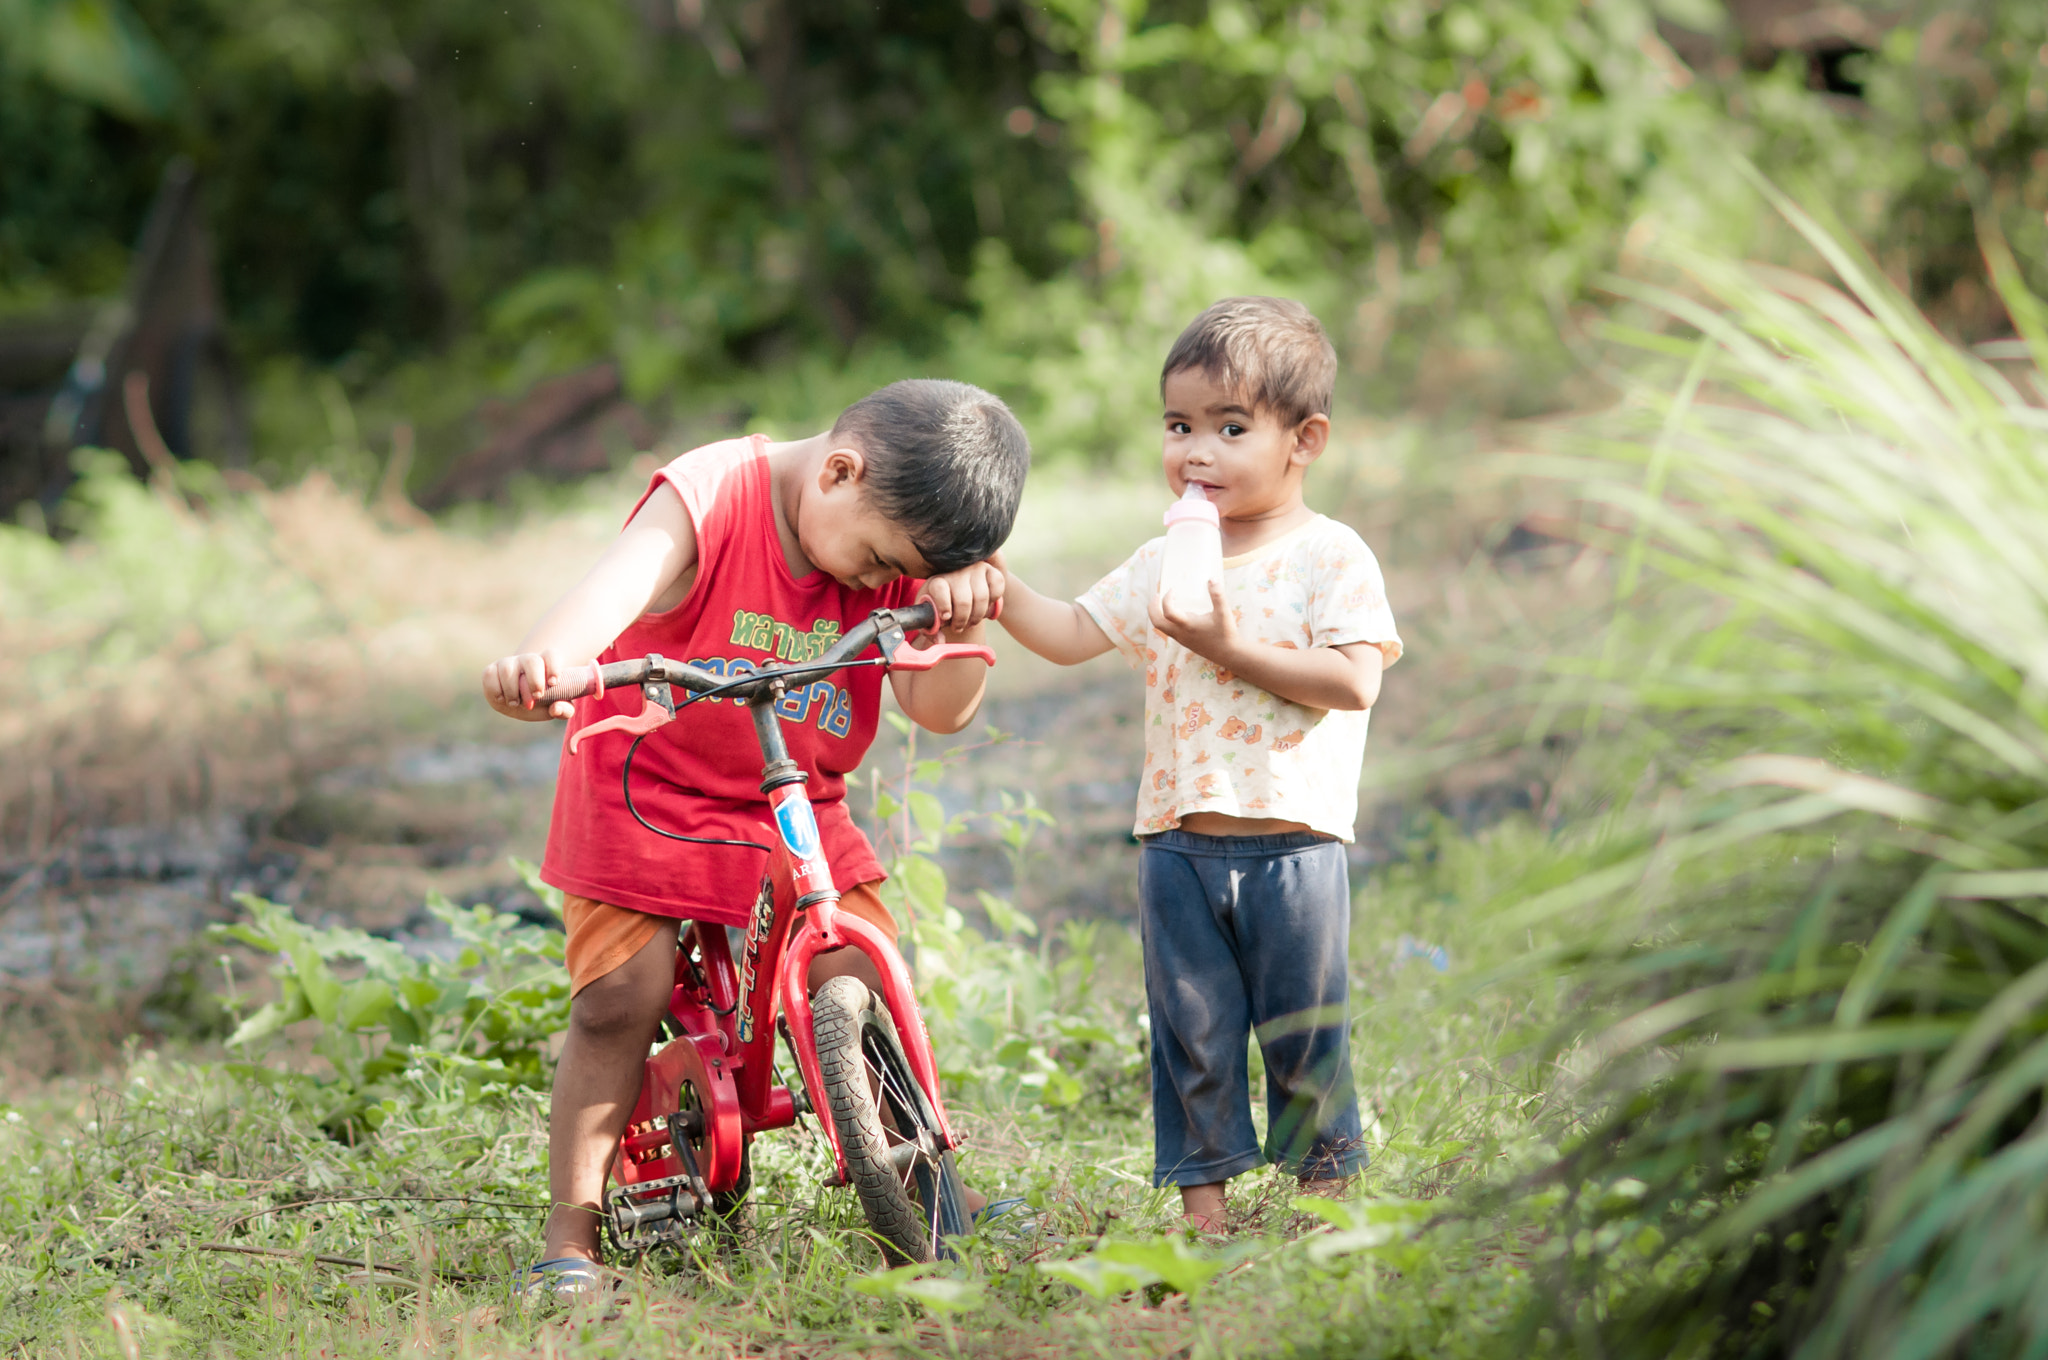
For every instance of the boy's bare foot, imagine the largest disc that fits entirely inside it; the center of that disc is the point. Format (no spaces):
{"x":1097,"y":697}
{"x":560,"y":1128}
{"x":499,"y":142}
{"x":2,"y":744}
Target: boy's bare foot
{"x":1327,"y":1187}
{"x":1201,"y":1207}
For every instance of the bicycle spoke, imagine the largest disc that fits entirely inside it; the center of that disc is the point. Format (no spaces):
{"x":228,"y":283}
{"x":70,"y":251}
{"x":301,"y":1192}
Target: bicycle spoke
{"x":885,"y":1085}
{"x":904,"y":1123}
{"x":887,"y":1124}
{"x":904,"y":1104}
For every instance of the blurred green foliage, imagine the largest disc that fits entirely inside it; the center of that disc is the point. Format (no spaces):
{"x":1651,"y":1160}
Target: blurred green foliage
{"x":715,"y":183}
{"x":1811,"y":923}
{"x":1446,"y":182}
{"x":760,"y":208}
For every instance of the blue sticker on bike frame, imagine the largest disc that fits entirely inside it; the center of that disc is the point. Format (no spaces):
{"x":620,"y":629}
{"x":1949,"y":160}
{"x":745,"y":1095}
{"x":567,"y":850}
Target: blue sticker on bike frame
{"x":798,"y":826}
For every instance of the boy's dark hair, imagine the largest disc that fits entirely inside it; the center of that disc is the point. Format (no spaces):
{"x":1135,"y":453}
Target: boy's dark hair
{"x":1272,"y":349}
{"x":945,"y":461}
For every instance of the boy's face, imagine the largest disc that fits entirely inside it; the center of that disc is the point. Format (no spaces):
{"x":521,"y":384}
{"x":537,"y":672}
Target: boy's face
{"x":843,"y":536}
{"x":1248,"y":461}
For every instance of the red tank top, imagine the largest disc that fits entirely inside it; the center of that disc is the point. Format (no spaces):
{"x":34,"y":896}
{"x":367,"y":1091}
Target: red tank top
{"x":701,"y":774}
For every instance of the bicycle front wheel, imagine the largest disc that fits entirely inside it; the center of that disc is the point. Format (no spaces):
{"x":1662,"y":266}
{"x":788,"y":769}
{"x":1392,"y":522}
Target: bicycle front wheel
{"x":895,"y":1159}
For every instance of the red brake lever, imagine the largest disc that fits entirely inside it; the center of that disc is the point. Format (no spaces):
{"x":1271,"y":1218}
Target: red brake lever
{"x":909,"y":658}
{"x":650,"y":716}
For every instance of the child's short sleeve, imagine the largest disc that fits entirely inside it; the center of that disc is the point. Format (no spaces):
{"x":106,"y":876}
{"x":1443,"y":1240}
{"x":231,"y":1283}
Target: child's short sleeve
{"x":1348,"y":597}
{"x":1121,"y":602}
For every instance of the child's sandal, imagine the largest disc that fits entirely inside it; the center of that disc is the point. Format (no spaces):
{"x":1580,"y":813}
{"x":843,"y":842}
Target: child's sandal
{"x":564,"y":1277}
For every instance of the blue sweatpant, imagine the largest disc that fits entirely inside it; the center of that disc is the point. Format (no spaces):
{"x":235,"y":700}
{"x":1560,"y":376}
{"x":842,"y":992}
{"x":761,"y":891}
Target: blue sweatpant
{"x":1248,"y":935}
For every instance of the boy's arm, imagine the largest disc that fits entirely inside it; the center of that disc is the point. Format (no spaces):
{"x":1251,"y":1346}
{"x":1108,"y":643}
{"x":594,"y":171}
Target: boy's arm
{"x":656,"y":550}
{"x":1061,"y":631}
{"x":1343,"y":677}
{"x":946,"y":697}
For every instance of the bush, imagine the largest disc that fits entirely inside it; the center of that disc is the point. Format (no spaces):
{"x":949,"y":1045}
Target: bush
{"x":1825,"y":929}
{"x":411,"y":1023}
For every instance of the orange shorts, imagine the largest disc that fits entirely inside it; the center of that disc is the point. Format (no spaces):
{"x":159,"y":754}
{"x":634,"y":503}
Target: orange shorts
{"x":603,"y":937}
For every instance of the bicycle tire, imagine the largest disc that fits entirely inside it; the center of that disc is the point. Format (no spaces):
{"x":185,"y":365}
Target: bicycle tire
{"x":878,"y":1108}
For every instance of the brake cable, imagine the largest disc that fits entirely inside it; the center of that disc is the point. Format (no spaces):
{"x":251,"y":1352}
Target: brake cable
{"x":626,"y":772}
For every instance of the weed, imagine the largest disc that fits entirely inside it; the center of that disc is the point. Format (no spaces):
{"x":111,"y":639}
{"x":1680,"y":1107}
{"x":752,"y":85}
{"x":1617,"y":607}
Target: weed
{"x":409,"y":1023}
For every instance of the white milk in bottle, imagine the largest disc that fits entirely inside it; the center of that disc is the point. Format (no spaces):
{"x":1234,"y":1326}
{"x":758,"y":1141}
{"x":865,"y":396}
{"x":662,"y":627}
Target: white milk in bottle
{"x":1194,"y":554}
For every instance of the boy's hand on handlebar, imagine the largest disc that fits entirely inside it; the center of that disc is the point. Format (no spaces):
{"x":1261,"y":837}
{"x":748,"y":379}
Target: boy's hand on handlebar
{"x":511,"y":684}
{"x":963,"y":599}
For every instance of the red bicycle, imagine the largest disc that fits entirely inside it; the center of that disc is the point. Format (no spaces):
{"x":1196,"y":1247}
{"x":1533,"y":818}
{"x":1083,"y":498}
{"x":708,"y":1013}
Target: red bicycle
{"x":865,"y":1059}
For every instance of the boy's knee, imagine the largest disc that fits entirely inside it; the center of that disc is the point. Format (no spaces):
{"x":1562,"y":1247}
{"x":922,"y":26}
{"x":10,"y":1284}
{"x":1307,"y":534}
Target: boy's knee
{"x":844,"y":963}
{"x":612,"y":1008}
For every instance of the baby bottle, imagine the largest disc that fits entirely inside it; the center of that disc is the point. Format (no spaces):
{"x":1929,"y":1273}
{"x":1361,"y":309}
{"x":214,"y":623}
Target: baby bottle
{"x":1194,"y":554}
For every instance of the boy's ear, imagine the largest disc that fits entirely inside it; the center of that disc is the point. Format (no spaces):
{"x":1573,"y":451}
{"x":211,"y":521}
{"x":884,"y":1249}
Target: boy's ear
{"x":1311,"y":437}
{"x":843,"y":466}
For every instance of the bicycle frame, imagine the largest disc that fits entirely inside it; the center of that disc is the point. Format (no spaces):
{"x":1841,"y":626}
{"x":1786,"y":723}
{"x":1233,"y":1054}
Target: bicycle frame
{"x":714,"y":1083}
{"x":726,"y":1048}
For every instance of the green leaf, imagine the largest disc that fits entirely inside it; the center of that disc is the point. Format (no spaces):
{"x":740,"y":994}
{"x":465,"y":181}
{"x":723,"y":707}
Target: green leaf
{"x":96,"y":50}
{"x":322,"y":989}
{"x":1363,"y":1226}
{"x":927,"y":812}
{"x":916,"y":1284}
{"x":1355,"y":1241}
{"x":924,"y":884}
{"x":265,"y":1021}
{"x":945,"y":1295}
{"x":1099,"y":1278}
{"x":1170,"y":1260}
{"x":405,"y":1031}
{"x":254,"y":936}
{"x":1005,"y":918}
{"x":364,"y":1004}
{"x":529,"y":874}
{"x":1060,"y":1090}
{"x":1701,"y":16}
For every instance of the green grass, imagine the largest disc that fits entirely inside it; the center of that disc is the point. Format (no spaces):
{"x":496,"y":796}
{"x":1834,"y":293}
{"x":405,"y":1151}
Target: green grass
{"x":111,"y":1192}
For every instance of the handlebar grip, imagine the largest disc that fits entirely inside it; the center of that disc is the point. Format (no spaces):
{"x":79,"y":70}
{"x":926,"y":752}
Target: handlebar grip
{"x":574,"y":683}
{"x":918,"y":617}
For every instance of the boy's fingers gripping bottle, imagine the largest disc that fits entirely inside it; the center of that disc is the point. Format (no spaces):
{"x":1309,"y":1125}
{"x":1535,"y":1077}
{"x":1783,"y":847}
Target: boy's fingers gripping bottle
{"x":1194,"y":554}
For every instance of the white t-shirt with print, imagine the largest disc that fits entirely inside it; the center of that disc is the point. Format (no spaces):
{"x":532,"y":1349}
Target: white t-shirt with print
{"x":1214,"y":743}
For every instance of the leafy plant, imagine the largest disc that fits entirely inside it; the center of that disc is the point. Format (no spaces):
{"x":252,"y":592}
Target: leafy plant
{"x":920,"y":1285}
{"x":1117,"y":1266}
{"x":1827,"y":948}
{"x":401,"y":1020}
{"x":1006,"y":1020}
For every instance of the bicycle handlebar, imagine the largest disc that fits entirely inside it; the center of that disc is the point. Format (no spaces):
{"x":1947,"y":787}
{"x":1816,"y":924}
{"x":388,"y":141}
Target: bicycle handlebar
{"x":593,"y":679}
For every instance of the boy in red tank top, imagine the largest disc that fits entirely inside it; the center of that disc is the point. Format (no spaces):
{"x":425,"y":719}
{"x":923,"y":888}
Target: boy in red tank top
{"x":739,"y":553}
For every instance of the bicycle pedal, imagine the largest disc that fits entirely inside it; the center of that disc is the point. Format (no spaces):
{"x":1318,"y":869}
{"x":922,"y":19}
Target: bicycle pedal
{"x":649,"y":1207}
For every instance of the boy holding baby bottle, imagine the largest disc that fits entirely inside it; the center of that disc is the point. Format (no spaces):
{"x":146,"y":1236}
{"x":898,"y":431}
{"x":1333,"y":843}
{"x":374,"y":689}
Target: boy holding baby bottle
{"x":1260,"y":669}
